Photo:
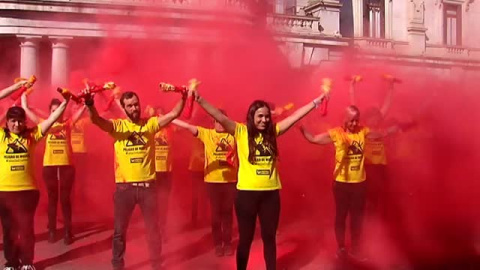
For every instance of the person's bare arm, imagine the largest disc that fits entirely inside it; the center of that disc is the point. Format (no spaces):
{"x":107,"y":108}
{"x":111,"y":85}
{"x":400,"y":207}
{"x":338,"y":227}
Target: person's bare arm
{"x":228,"y":124}
{"x":387,"y":103}
{"x":12,"y":88}
{"x":173,"y":114}
{"x":30,"y":114}
{"x":47,"y":124}
{"x":289,"y":121}
{"x":191,"y":128}
{"x":322,"y":138}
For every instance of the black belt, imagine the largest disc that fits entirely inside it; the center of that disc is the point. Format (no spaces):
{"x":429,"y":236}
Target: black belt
{"x":139,"y":184}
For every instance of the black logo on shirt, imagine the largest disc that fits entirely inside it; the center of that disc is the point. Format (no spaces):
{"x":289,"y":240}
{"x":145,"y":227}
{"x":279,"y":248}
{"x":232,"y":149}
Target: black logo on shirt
{"x":16,"y":148}
{"x":223,"y":146}
{"x":58,"y":135}
{"x":161,"y":141}
{"x":263,"y":150}
{"x":136,"y":139}
{"x":355,"y":149}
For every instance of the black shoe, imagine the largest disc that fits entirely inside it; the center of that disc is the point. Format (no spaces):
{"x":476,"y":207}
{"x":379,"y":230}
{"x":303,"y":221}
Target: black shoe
{"x":219,"y":252}
{"x":68,"y":239}
{"x":228,"y":249}
{"x":52,"y":236}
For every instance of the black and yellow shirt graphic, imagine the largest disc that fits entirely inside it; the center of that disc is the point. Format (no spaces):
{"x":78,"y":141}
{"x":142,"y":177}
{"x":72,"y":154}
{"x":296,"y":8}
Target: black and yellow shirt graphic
{"x":263,"y":175}
{"x":349,"y":154}
{"x":375,"y":152}
{"x":16,"y":164}
{"x":78,"y":136}
{"x":58,"y":150}
{"x":134,"y":149}
{"x":218,"y":149}
{"x":163,"y":157}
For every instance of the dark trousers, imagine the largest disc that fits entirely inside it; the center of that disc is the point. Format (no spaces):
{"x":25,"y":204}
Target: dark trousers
{"x":197,"y":182}
{"x":164,"y":186}
{"x":377,"y":188}
{"x":265,"y":205}
{"x":126,"y":197}
{"x":17,"y":212}
{"x":221,"y":204}
{"x":349,"y":199}
{"x":62,"y":176}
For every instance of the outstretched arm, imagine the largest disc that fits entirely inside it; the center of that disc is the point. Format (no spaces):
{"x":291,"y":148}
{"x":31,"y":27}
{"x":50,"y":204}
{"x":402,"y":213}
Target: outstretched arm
{"x":226,"y":122}
{"x":288,"y":122}
{"x":30,"y":114}
{"x":12,"y":88}
{"x":193,"y":129}
{"x":351,"y":91}
{"x":174,"y":113}
{"x":387,"y":103}
{"x":78,"y":114}
{"x":47,"y":124}
{"x":322,"y":138}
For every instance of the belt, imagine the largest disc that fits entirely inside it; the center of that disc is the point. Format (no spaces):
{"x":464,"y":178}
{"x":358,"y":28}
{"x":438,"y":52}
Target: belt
{"x":139,"y":184}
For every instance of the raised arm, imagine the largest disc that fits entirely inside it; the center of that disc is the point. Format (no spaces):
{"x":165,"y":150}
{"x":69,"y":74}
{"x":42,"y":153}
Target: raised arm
{"x":322,"y":138}
{"x":12,"y":88}
{"x":289,"y":121}
{"x":78,"y":114}
{"x":351,"y":92}
{"x":228,"y":124}
{"x":179,"y":123}
{"x":174,"y":113}
{"x":47,"y":124}
{"x":387,"y":103}
{"x":30,"y":114}
{"x":102,"y":123}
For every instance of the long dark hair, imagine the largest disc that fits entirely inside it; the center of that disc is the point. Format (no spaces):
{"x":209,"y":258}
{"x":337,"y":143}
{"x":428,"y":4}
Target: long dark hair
{"x":269,"y":134}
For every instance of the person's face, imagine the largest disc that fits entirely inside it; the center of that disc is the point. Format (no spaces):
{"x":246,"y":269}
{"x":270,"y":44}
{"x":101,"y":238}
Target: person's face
{"x":352,"y":118}
{"x":261,"y":118}
{"x":219,"y":128}
{"x":16,"y":126}
{"x":132,"y":108}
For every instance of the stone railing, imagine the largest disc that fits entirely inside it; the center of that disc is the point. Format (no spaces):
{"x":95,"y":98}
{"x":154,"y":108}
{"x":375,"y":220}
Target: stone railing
{"x":294,"y":24}
{"x":452,"y":52}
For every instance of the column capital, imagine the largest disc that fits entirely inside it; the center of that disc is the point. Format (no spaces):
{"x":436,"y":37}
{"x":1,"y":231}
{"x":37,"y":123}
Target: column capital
{"x":60,"y":41}
{"x":28,"y":40}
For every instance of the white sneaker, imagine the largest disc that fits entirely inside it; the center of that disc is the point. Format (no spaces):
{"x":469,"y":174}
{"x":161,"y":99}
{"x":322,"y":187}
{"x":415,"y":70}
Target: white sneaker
{"x":9,"y":268}
{"x":28,"y":267}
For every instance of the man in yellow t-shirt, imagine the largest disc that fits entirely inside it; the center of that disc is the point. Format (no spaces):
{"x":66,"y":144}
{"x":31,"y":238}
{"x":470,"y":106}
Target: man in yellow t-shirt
{"x":19,"y":194}
{"x":58,"y":168}
{"x":134,"y":144}
{"x":349,"y":188}
{"x":220,"y":176}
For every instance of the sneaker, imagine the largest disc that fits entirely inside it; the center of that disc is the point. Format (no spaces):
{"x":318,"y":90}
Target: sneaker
{"x":219,"y":252}
{"x":68,"y":239}
{"x":228,"y":250}
{"x":342,"y":254}
{"x":9,"y":268}
{"x":28,"y":267}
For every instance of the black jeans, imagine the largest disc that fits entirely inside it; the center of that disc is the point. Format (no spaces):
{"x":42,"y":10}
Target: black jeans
{"x":265,"y":205}
{"x":349,"y":199}
{"x":377,"y":188}
{"x":221,"y":204}
{"x":164,"y":186}
{"x":197,"y":182}
{"x":126,"y":197}
{"x":17,"y":212}
{"x":63,"y":176}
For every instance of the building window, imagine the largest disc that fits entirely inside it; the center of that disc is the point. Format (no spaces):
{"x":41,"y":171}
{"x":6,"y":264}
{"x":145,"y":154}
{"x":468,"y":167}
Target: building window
{"x":452,"y":24}
{"x":374,"y":18}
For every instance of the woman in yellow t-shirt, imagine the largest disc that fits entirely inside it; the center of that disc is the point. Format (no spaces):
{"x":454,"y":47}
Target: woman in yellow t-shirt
{"x":349,"y":188}
{"x":220,"y":176}
{"x":18,"y":188}
{"x":258,"y":180}
{"x":58,"y":168}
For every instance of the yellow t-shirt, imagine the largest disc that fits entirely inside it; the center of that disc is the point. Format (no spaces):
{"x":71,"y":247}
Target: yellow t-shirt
{"x":58,"y":150}
{"x":349,"y":154}
{"x":163,"y":157}
{"x":375,"y":152}
{"x":16,"y":163}
{"x":217,"y":146}
{"x":78,"y":136}
{"x":197,"y":157}
{"x":134,"y":149}
{"x":263,"y":175}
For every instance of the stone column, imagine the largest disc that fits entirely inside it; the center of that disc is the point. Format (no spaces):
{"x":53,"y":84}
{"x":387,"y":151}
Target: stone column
{"x":60,"y":61}
{"x":417,"y":37}
{"x":388,"y":19}
{"x":357,"y":6}
{"x":28,"y":55}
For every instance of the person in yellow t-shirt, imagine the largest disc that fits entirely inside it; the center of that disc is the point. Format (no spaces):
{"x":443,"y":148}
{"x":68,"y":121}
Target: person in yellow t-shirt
{"x":58,"y":168}
{"x":375,"y":155}
{"x":134,"y":144}
{"x":163,"y":167}
{"x":19,"y":193}
{"x":349,"y":187}
{"x":220,"y":176}
{"x":258,"y":180}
